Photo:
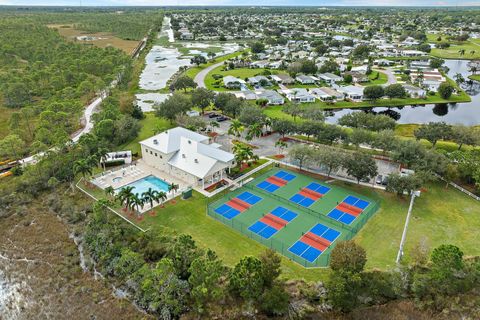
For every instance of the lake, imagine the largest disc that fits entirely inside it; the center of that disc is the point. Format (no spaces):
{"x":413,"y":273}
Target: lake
{"x":451,"y":113}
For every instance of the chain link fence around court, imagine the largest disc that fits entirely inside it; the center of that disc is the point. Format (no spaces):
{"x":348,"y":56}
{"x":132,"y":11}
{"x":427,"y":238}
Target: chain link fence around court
{"x":347,"y":232}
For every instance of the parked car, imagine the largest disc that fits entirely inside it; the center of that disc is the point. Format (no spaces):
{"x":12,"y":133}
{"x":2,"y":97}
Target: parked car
{"x":213,"y":115}
{"x":379,"y":179}
{"x":385,"y":180}
{"x":222,"y":118}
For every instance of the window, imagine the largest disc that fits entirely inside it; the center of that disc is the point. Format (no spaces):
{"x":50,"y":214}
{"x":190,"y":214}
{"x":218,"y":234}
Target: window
{"x":156,"y":155}
{"x":151,"y":152}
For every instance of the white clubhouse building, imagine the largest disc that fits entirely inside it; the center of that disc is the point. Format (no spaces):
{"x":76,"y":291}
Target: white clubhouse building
{"x":187,"y":155}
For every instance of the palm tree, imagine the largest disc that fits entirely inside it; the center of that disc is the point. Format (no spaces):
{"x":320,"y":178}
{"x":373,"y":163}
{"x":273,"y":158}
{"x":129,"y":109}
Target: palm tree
{"x":462,"y":52}
{"x":102,"y":155}
{"x":254,"y":131}
{"x":83,"y":167}
{"x":137,"y":203}
{"x":161,"y":197}
{"x":236,"y":128}
{"x":173,"y":187}
{"x":109,"y":191}
{"x":243,"y":154}
{"x":280,"y":144}
{"x":149,"y":196}
{"x":267,"y":123}
{"x":125,"y":196}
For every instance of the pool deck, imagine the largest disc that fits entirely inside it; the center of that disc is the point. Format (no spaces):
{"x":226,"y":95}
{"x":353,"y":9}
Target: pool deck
{"x":131,"y":173}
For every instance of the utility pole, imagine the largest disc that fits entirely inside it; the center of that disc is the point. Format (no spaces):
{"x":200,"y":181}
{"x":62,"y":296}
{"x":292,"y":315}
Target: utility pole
{"x":407,"y":221}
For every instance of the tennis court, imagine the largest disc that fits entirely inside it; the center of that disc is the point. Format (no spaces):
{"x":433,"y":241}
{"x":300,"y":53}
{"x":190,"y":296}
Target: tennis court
{"x":300,"y":217}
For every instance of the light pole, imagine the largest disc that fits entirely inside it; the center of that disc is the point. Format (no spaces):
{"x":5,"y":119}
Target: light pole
{"x":404,"y":235}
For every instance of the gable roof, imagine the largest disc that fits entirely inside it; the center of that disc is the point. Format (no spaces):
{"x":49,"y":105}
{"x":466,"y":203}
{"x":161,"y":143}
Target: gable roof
{"x":169,"y":140}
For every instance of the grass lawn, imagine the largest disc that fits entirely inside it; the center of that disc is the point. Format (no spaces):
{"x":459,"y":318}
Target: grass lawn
{"x":382,"y":78}
{"x":150,"y":124}
{"x":439,"y":216}
{"x":474,"y":77}
{"x":455,"y":46}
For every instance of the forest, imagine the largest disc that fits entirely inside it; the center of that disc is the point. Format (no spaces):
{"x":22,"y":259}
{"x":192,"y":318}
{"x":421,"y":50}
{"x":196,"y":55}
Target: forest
{"x":45,"y":80}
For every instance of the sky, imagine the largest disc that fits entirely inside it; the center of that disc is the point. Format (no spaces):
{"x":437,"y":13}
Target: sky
{"x":245,"y":2}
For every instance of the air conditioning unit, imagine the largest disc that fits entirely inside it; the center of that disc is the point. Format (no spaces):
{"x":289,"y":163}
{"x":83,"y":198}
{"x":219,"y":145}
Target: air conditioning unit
{"x":155,"y":141}
{"x":183,"y":155}
{"x":196,"y":160}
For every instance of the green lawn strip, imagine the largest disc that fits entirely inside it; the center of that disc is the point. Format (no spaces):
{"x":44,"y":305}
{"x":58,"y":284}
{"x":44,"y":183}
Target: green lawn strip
{"x":150,"y":124}
{"x":475,"y":77}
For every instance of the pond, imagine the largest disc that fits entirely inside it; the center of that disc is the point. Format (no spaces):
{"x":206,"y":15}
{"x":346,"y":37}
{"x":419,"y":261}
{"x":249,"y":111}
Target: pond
{"x":451,"y":113}
{"x":160,"y":65}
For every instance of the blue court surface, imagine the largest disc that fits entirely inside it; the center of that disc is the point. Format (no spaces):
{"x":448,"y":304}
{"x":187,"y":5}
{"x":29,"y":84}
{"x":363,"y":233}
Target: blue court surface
{"x":356,"y":202}
{"x":318,"y":188}
{"x":285,"y":175}
{"x":228,"y":212}
{"x":249,"y":198}
{"x":302,"y":200}
{"x":267,"y":231}
{"x":309,"y":252}
{"x":284,"y":214}
{"x":341,"y":216}
{"x":271,"y":187}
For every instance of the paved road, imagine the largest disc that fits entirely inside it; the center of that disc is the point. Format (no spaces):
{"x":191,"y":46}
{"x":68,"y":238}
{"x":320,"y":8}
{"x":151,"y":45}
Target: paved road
{"x":200,"y":77}
{"x":391,"y":79}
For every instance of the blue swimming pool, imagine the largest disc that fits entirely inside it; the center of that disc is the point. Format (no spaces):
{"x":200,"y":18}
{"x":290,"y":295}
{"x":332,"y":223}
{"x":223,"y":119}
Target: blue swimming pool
{"x":142,"y":185}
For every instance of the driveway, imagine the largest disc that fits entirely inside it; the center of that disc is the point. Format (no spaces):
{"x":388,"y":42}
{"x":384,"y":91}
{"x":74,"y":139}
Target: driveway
{"x":200,"y":77}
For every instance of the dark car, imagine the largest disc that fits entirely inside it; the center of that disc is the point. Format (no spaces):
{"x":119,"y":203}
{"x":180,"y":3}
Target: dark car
{"x":213,"y":115}
{"x":222,"y":118}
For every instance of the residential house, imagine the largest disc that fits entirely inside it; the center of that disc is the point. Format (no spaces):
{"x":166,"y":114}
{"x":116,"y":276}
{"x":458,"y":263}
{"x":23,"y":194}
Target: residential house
{"x":303,"y":79}
{"x":254,"y":81}
{"x":232,"y":82}
{"x":259,"y":64}
{"x":415,"y":92}
{"x":273,"y":97}
{"x":353,"y":93}
{"x":299,"y":95}
{"x":358,"y":77}
{"x":330,"y":78}
{"x":412,"y":53}
{"x":282,"y":78}
{"x":187,"y":155}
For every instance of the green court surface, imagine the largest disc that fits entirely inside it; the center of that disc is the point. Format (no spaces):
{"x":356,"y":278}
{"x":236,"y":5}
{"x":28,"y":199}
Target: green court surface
{"x":270,"y":211}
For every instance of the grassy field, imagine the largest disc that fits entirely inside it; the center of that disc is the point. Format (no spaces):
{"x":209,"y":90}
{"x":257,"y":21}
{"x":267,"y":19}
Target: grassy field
{"x":104,"y":39}
{"x":150,"y":125}
{"x":455,"y":46}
